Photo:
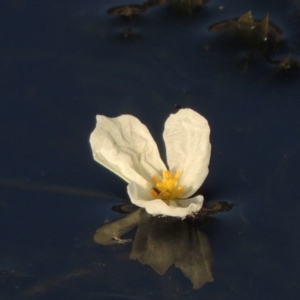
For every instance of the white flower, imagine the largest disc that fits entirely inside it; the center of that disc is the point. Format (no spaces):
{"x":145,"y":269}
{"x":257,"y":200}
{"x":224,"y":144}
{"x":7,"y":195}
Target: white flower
{"x":125,"y":146}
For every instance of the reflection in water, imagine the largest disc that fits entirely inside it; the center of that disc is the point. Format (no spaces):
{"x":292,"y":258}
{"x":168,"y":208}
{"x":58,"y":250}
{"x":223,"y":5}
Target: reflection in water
{"x":162,"y":242}
{"x":111,"y":233}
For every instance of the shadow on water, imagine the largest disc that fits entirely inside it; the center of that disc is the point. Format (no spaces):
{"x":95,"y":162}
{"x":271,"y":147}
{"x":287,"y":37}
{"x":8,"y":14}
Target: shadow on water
{"x":46,"y":188}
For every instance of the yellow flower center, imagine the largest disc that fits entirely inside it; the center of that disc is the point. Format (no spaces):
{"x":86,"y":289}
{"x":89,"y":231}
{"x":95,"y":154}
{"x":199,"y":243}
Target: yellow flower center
{"x":168,"y":188}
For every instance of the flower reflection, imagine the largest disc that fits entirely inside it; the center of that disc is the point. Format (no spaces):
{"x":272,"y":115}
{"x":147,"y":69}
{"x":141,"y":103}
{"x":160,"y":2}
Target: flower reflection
{"x":163,"y":242}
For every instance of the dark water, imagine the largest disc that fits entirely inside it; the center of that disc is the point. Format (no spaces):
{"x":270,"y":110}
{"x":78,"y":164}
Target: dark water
{"x":63,"y":62}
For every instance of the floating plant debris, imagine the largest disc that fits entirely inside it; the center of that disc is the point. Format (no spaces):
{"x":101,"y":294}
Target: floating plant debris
{"x":216,"y":207}
{"x":288,"y":63}
{"x":127,"y":10}
{"x":257,"y":36}
{"x":253,"y":32}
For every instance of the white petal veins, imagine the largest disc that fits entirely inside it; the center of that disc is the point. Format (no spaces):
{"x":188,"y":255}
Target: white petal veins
{"x":186,"y":137}
{"x":125,"y":146}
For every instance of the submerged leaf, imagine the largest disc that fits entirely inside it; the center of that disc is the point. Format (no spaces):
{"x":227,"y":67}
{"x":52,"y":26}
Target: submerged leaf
{"x":264,"y":26}
{"x":246,"y":21}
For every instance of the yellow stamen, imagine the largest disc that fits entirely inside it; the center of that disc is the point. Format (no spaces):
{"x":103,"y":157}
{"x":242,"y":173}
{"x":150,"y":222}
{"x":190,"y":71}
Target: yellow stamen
{"x":168,"y":188}
{"x":155,"y":179}
{"x":154,"y":193}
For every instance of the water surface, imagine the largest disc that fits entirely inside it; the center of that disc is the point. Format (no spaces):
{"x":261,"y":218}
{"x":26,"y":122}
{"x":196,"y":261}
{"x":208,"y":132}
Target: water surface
{"x":63,"y":63}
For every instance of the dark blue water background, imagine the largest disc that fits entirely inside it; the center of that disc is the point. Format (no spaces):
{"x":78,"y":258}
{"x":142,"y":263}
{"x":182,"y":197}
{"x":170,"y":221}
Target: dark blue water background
{"x":63,"y":62}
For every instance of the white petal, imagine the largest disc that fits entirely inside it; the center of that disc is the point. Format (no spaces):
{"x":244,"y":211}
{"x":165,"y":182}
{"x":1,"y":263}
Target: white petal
{"x":188,"y":148}
{"x":139,"y":194}
{"x":125,"y":146}
{"x":177,"y":208}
